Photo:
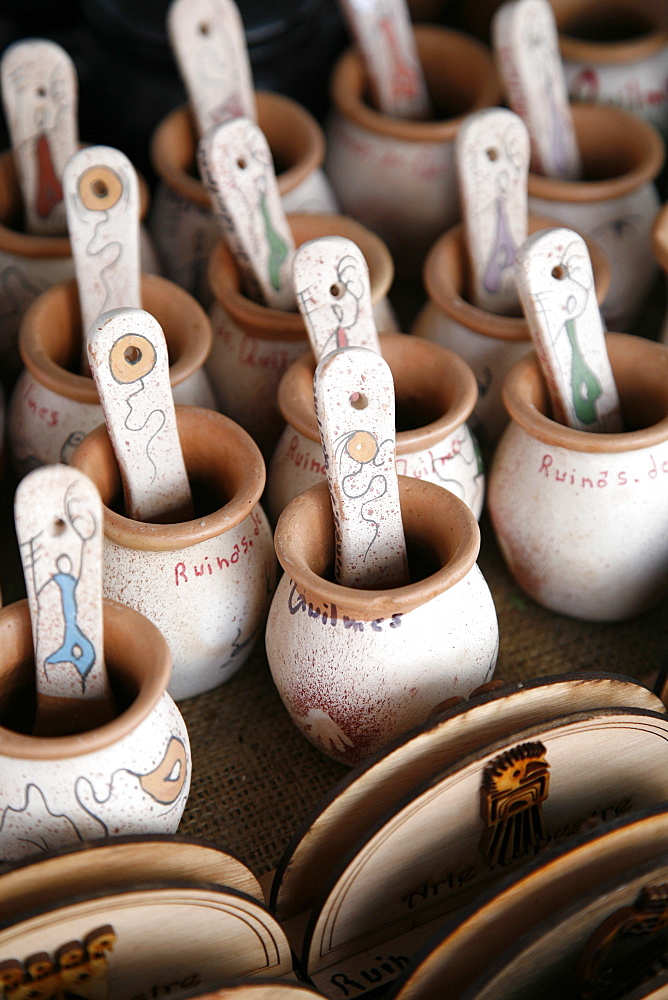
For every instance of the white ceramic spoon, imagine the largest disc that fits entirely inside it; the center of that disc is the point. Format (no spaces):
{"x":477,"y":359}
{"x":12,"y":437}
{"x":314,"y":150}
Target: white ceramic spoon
{"x":236,"y":166}
{"x":492,"y":159}
{"x":101,"y":192}
{"x":555,"y":284}
{"x":209,"y":44}
{"x":526,"y":45}
{"x":354,"y":398}
{"x":383,"y":31}
{"x":58,"y":518}
{"x":40,"y":98}
{"x":128,"y":359}
{"x":333,"y":291}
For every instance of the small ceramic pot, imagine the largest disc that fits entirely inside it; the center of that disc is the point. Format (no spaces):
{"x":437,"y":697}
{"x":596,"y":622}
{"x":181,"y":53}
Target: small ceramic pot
{"x":52,"y":408}
{"x":615,"y":204}
{"x":253,"y":345}
{"x":398,"y":176}
{"x":129,"y":776}
{"x":356,"y":668}
{"x":30,"y":264}
{"x":435,"y":395}
{"x":182,"y":222}
{"x":660,"y":245}
{"x":489,"y":343}
{"x":205,"y":583}
{"x":617,"y":53}
{"x":582,"y":518}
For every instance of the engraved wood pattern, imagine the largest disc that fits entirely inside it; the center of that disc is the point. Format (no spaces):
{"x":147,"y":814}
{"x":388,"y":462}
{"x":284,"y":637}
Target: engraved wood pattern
{"x":526,"y":45}
{"x":383,"y":31}
{"x":101,"y":192}
{"x":354,"y":399}
{"x":237,"y":169}
{"x":333,"y":290}
{"x":128,"y":358}
{"x":555,"y":283}
{"x":209,"y":44}
{"x":40,"y":98}
{"x":58,"y":518}
{"x":492,"y":157}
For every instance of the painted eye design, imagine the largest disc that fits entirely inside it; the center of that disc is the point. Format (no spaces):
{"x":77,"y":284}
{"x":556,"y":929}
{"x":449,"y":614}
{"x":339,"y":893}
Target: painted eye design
{"x":131,"y":358}
{"x":100,"y":188}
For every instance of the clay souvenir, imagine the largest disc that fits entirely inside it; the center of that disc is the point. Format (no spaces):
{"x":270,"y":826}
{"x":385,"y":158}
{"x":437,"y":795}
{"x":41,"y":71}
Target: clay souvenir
{"x":435,"y":390}
{"x":218,"y":568}
{"x":374,"y":644}
{"x":616,"y":54}
{"x":216,"y":70}
{"x":581,"y":481}
{"x":37,"y":254}
{"x":470,"y":825}
{"x":490,"y":343}
{"x":397,"y":175}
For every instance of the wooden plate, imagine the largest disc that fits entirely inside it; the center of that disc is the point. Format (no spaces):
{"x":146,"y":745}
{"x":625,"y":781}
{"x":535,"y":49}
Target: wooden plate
{"x":370,"y":790}
{"x":147,"y":942}
{"x":469,"y":941}
{"x":604,"y":944}
{"x":119,"y":862}
{"x":461,"y":831}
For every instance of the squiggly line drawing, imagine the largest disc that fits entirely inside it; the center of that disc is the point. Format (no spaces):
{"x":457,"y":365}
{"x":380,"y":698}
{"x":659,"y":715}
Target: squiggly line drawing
{"x":362,"y":449}
{"x":162,"y":418}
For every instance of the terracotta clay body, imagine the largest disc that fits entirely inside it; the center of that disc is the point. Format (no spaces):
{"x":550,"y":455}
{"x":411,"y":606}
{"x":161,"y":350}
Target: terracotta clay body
{"x":581,"y":517}
{"x":131,"y":775}
{"x":357,"y":667}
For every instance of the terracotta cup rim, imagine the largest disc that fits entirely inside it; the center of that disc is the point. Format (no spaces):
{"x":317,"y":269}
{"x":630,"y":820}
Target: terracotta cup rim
{"x":620,"y":153}
{"x":601,"y":51}
{"x":447,"y":386}
{"x":640,"y":368}
{"x":15,"y":241}
{"x":445,"y":275}
{"x":216,"y":451}
{"x":50,"y":335}
{"x":135,"y":651}
{"x":295,"y":139}
{"x":660,"y":237}
{"x":265,"y":323}
{"x":433,"y":518}
{"x":443,"y":53}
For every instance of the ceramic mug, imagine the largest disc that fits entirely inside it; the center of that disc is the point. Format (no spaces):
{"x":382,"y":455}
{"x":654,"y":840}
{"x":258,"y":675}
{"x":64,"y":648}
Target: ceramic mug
{"x":397,"y":176}
{"x":617,"y":53}
{"x":435,"y":394}
{"x":253,"y":344}
{"x":206,"y":583}
{"x":29,"y":264}
{"x":52,"y":408}
{"x":355,"y":668}
{"x":581,"y":517}
{"x":129,"y":776}
{"x":488,"y":342}
{"x":615,"y":204}
{"x":182,"y":222}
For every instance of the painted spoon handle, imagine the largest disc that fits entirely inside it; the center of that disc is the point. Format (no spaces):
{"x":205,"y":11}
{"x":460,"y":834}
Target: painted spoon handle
{"x":209,"y":44}
{"x":354,"y":397}
{"x":101,"y":193}
{"x":58,"y":518}
{"x":128,"y":360}
{"x":526,"y":44}
{"x":237,"y":169}
{"x":333,"y":290}
{"x":40,"y":97}
{"x":555,"y":284}
{"x":492,"y":158}
{"x":383,"y":31}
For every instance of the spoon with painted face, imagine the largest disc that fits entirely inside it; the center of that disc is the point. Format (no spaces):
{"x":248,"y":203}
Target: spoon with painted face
{"x":355,"y":408}
{"x":39,"y":93}
{"x":58,"y":519}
